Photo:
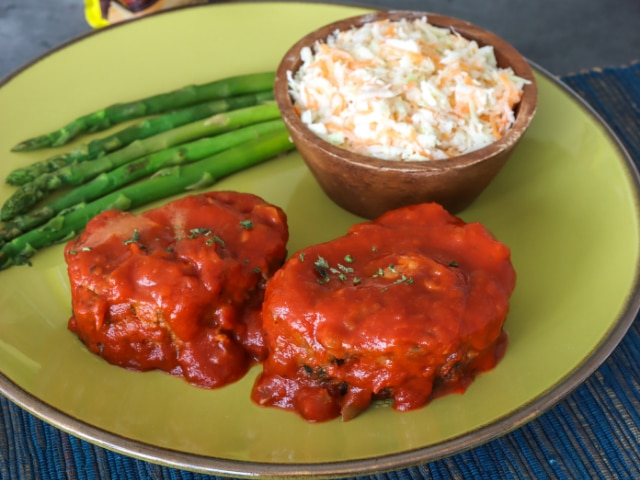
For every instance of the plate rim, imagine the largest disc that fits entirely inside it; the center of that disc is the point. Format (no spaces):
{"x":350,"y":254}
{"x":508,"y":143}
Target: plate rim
{"x":481,"y":435}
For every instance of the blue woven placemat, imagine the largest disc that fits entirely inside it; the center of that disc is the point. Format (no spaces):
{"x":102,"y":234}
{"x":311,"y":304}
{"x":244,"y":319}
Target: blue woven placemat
{"x":592,"y":433}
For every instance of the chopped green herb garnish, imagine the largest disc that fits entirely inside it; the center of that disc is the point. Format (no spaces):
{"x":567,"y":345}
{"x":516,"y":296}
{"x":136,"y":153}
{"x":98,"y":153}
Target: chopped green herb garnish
{"x":194,"y":232}
{"x":348,"y":258}
{"x":135,"y":238}
{"x":248,"y":224}
{"x":321,"y":262}
{"x":218,"y":240}
{"x":453,"y":264}
{"x":322,"y":267}
{"x":379,"y":273}
{"x":345,"y":269}
{"x":301,"y":256}
{"x":400,"y":280}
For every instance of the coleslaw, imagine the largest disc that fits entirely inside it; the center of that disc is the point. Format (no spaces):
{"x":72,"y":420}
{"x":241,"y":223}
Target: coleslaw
{"x":404,"y":90}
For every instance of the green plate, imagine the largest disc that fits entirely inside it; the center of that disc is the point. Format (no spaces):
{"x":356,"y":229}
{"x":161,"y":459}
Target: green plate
{"x":566,"y":204}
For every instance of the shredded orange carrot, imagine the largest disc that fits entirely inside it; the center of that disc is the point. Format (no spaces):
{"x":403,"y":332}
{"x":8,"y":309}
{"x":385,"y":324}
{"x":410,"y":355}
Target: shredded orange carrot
{"x":405,"y":91}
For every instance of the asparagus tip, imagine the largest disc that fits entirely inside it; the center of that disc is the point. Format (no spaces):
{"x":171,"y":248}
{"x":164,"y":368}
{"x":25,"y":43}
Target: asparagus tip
{"x":32,"y":144}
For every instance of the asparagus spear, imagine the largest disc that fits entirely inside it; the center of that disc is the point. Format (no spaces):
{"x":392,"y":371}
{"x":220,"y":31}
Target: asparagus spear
{"x":120,"y":112}
{"x":169,"y":181}
{"x":29,"y":194}
{"x":142,"y":129}
{"x":109,"y":181}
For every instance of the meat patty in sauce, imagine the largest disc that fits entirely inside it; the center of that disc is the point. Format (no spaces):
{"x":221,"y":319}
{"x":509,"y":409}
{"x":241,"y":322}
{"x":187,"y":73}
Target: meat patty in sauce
{"x":408,"y":307}
{"x":178,"y":288}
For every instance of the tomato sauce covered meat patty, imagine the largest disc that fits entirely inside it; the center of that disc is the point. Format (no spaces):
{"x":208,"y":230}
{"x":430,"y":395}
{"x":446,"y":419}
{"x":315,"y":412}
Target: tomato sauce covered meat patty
{"x":178,"y":288}
{"x":407,"y":307}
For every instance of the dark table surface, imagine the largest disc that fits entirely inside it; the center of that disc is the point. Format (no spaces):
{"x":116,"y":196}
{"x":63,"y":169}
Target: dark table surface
{"x":563,"y":37}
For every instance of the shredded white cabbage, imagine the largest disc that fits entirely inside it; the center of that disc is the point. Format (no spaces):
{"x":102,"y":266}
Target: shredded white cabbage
{"x":404,"y":90}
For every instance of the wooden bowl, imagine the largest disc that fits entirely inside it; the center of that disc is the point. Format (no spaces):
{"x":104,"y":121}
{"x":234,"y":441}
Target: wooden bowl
{"x":368,"y":186}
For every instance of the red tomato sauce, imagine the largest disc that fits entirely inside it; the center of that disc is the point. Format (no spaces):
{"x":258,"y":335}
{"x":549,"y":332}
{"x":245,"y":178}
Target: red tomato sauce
{"x":178,"y":288}
{"x":408,"y":307}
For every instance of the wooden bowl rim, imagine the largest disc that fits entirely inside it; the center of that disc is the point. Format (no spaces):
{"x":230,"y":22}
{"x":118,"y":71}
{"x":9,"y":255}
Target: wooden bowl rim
{"x":524,"y":111}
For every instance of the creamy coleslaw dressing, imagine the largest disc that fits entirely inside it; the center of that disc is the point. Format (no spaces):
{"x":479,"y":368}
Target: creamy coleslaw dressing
{"x":404,"y":90}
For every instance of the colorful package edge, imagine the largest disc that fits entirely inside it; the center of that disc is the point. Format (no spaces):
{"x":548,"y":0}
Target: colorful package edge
{"x":101,"y":13}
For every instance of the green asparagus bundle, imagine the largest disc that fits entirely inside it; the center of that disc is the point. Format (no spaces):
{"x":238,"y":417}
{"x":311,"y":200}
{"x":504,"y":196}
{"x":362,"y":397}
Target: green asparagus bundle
{"x":29,"y":194}
{"x":145,"y":166}
{"x":121,"y":112}
{"x":169,"y":181}
{"x":143,"y":129}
